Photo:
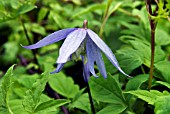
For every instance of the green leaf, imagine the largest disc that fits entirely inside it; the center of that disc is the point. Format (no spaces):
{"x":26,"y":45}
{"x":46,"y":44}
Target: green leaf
{"x":32,"y":97}
{"x":164,"y":83}
{"x":114,"y":7}
{"x":162,"y":37}
{"x":42,"y":13}
{"x":162,"y":105}
{"x":28,"y":102}
{"x":82,"y":102}
{"x":89,"y":9}
{"x":17,"y":107}
{"x":129,"y":59}
{"x":163,"y":67}
{"x":143,"y":15}
{"x":8,"y":55}
{"x":106,"y":90}
{"x":51,"y":104}
{"x":4,"y":88}
{"x":147,"y":96}
{"x":25,"y":8}
{"x":135,"y":82}
{"x":136,"y":30}
{"x":144,"y":49}
{"x":63,"y":85}
{"x":112,"y":109}
{"x":11,"y":9}
{"x":38,"y":29}
{"x":27,"y":80}
{"x":77,"y":2}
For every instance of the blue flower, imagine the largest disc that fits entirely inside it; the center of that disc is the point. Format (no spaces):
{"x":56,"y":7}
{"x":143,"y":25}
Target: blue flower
{"x":84,"y":43}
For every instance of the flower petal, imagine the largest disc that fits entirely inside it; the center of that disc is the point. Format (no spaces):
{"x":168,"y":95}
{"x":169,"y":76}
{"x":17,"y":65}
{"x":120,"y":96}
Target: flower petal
{"x":71,"y":44}
{"x":90,"y":56}
{"x":93,"y":54}
{"x":58,"y":69}
{"x":86,"y":72}
{"x":105,"y":49}
{"x":52,"y":38}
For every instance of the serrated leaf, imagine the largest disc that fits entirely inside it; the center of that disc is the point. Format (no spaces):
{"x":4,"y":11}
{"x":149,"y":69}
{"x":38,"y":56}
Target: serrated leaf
{"x":112,"y":109}
{"x":4,"y":88}
{"x":51,"y":104}
{"x":144,"y":49}
{"x":32,"y":97}
{"x":63,"y":85}
{"x":28,"y":102}
{"x":106,"y":90}
{"x":82,"y":102}
{"x":162,"y":105}
{"x":129,"y":59}
{"x":136,"y":30}
{"x":148,"y":96}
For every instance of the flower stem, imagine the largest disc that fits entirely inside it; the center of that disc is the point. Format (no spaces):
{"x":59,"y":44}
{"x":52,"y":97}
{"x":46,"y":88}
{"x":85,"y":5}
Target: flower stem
{"x":152,"y":27}
{"x":90,"y":98}
{"x":29,"y":41}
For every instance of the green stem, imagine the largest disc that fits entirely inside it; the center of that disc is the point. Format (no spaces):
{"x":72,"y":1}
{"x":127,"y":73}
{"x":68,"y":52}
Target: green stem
{"x":152,"y":27}
{"x":29,"y":41}
{"x":105,"y":18}
{"x":143,"y":70}
{"x":127,"y":13}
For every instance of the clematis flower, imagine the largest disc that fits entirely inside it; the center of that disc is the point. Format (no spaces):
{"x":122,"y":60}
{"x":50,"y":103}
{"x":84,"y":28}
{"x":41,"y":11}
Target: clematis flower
{"x":84,"y":43}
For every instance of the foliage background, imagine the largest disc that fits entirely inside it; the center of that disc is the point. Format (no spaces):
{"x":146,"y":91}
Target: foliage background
{"x":122,"y":24}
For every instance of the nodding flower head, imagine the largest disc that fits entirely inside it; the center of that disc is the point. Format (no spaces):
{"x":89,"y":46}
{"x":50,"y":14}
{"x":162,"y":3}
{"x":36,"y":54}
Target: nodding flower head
{"x":84,"y":43}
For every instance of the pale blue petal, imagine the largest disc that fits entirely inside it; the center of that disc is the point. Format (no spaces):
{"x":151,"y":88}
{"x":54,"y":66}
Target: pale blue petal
{"x":52,"y":38}
{"x":105,"y":49}
{"x":86,"y":72}
{"x":100,"y":63}
{"x":90,"y":50}
{"x":58,"y":69}
{"x":71,"y":44}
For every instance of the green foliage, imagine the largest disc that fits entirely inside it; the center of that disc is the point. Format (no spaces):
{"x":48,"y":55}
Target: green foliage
{"x":31,"y":101}
{"x":136,"y":82}
{"x":81,"y":102}
{"x":123,"y":25}
{"x":50,"y":104}
{"x":32,"y":97}
{"x":4,"y":92}
{"x":63,"y":85}
{"x":113,"y":108}
{"x":156,"y":98}
{"x":10,"y":9}
{"x":108,"y":91}
{"x":162,"y":105}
